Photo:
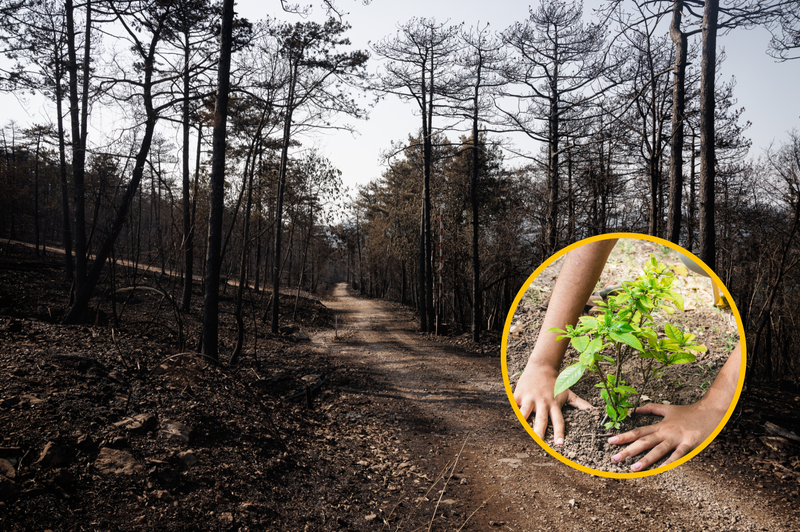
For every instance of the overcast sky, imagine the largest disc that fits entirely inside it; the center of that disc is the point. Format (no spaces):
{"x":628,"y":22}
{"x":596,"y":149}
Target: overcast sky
{"x":768,"y":90}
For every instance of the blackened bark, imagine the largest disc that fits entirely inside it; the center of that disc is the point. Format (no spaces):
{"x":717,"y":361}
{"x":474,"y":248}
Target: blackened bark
{"x":678,"y":109}
{"x":77,"y":311}
{"x":707,"y":154}
{"x":213,"y":263}
{"x":473,"y":198}
{"x":78,"y":149}
{"x":66,"y":233}
{"x":188,"y":236}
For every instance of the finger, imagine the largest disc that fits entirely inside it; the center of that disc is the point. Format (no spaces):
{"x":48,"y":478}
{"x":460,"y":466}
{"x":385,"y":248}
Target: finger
{"x":658,"y":452}
{"x":653,"y":408}
{"x":680,"y":452}
{"x":576,"y":402}
{"x":526,"y":407}
{"x":637,"y":447}
{"x":540,"y":424}
{"x":558,"y":425}
{"x":633,"y":435}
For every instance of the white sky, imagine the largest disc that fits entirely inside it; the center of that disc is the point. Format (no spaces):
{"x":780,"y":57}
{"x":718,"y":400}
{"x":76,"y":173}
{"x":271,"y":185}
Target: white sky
{"x":768,"y":90}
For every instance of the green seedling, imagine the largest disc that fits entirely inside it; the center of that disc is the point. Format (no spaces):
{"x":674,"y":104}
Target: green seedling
{"x":704,"y":371}
{"x":625,"y":330}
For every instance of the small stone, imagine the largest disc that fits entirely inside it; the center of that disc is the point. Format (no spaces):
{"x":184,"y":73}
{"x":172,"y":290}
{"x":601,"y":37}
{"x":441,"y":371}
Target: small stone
{"x":463,"y":480}
{"x":138,"y":424}
{"x":162,"y":495}
{"x":248,"y":506}
{"x":52,"y":455}
{"x":571,"y":455}
{"x":370,"y":517}
{"x":175,"y":431}
{"x":312,"y":378}
{"x":188,"y":458}
{"x":6,"y":469}
{"x":118,"y":442}
{"x":573,"y":503}
{"x":226,"y":517}
{"x":118,"y":462}
{"x":30,"y":399}
{"x":523,"y":455}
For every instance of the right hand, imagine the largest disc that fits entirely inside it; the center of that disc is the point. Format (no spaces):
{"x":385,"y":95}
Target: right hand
{"x":534,"y":393}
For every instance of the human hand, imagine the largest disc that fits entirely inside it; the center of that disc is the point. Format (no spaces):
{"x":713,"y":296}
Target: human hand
{"x":682,"y":429}
{"x":534,"y":393}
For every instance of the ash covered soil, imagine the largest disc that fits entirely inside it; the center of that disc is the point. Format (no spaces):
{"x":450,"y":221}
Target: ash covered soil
{"x":121,"y":431}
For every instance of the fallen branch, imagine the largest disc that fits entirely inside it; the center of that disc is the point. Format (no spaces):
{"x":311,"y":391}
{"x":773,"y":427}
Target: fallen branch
{"x":780,"y":431}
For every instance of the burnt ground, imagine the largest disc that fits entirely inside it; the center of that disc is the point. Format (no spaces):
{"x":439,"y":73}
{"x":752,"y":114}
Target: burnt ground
{"x":404,"y":431}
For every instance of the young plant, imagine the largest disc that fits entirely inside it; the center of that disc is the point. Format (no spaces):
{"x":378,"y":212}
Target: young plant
{"x":626,"y":331}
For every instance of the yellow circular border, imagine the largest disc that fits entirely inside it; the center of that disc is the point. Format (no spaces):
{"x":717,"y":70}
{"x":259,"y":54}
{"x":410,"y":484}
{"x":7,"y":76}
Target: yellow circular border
{"x":510,"y":393}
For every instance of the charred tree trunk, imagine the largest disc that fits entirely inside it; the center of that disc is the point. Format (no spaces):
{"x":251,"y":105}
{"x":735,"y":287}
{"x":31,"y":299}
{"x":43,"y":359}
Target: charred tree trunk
{"x":66,"y":233}
{"x":213,"y":257}
{"x":188,"y":236}
{"x":78,"y":139}
{"x":707,"y":153}
{"x":678,"y":109}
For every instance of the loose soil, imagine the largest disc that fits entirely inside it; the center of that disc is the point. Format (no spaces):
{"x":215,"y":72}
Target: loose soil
{"x":404,"y":432}
{"x":586,"y":438}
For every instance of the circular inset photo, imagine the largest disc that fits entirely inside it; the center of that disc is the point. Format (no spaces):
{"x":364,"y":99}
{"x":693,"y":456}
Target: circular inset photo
{"x":623,"y":355}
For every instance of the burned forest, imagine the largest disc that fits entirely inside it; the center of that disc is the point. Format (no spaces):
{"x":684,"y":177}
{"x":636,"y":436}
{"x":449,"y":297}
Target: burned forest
{"x":216,"y":314}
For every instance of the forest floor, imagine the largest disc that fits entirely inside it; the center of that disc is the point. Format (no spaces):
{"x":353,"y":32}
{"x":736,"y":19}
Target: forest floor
{"x":367,"y":425}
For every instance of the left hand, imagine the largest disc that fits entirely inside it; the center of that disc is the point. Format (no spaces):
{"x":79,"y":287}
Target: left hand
{"x":682,"y":429}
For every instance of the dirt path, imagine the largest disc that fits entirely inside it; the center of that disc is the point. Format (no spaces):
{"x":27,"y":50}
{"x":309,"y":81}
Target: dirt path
{"x":439,"y":397}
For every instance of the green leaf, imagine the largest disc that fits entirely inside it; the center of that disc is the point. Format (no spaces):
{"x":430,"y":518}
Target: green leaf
{"x":611,"y":412}
{"x":568,"y":378}
{"x":608,"y":359}
{"x":698,"y":348}
{"x":586,"y":358}
{"x":681,"y":358}
{"x":595,"y":345}
{"x":627,"y":338}
{"x":580,"y":343}
{"x":621,"y":327}
{"x":672,"y":332}
{"x":667,"y":309}
{"x":625,"y":389}
{"x":676,"y":298}
{"x":556,"y":330}
{"x":611,"y":425}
